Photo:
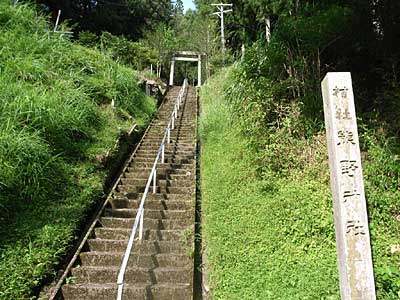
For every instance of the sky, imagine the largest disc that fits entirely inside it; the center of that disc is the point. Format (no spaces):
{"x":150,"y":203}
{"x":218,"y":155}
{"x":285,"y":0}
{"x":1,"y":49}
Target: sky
{"x":188,"y":4}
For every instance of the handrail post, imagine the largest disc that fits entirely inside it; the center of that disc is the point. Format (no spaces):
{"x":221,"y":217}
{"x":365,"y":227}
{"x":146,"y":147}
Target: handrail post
{"x":154,"y":181}
{"x":141,"y":225}
{"x":120,"y":290}
{"x":139,"y":219}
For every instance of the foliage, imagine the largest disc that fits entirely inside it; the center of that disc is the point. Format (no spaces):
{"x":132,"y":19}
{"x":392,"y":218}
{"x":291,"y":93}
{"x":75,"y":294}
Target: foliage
{"x":56,"y":126}
{"x":382,"y":179}
{"x":162,"y":39}
{"x":275,"y":103}
{"x":134,"y":54}
{"x":278,"y":180}
{"x":318,"y":37}
{"x":119,"y":17}
{"x":266,"y":238}
{"x":275,"y":97}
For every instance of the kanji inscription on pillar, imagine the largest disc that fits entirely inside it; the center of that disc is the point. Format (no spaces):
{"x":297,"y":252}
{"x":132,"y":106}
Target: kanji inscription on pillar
{"x":350,"y":212}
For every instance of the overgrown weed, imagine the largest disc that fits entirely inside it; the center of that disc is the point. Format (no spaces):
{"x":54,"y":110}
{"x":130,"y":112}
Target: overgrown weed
{"x":56,"y":121}
{"x":268,"y":219}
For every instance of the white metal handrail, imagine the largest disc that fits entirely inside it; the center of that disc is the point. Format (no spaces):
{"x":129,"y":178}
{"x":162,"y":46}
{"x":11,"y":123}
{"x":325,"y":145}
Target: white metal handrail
{"x":152,"y":178}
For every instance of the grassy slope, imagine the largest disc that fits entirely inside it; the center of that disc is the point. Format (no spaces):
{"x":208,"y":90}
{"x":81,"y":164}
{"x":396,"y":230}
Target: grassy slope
{"x":273,"y":238}
{"x":56,"y":125}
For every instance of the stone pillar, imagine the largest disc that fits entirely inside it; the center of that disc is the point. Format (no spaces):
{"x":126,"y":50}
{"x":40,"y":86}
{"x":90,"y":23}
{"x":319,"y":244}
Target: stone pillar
{"x":199,"y":72}
{"x":171,"y":74}
{"x":350,"y":213}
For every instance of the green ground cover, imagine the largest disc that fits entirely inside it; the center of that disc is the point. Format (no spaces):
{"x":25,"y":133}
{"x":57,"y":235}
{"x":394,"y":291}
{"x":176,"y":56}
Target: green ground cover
{"x":268,"y":231}
{"x":56,"y":126}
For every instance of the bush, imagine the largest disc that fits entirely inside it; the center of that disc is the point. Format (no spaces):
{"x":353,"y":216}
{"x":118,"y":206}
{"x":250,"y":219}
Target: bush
{"x":56,"y":125}
{"x":275,"y":176}
{"x":133,"y":54}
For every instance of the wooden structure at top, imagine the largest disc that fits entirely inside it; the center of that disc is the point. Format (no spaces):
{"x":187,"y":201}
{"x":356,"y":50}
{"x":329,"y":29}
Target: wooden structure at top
{"x":185,"y":56}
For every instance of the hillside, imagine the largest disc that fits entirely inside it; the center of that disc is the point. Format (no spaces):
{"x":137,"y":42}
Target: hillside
{"x":56,"y":126}
{"x":267,"y":215}
{"x":265,"y":225}
{"x":267,"y":206}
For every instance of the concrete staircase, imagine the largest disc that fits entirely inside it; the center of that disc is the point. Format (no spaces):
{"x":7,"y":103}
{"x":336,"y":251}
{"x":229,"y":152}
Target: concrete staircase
{"x":161,"y":265}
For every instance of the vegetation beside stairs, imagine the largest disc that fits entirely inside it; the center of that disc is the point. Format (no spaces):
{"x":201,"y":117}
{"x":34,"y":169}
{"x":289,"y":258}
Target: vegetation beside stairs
{"x":267,"y":216}
{"x":56,"y":126}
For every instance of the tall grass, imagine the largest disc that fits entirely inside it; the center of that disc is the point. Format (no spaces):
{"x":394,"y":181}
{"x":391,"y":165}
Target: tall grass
{"x":266,"y":238}
{"x":56,"y":121}
{"x":268,"y":221}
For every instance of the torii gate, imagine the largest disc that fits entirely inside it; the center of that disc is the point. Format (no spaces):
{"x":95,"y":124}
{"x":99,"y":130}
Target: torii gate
{"x":185,"y":56}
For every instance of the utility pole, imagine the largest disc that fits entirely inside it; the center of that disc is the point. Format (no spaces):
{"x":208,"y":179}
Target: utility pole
{"x":221,"y":7}
{"x":268,"y":29}
{"x":57,"y":23}
{"x":58,"y":20}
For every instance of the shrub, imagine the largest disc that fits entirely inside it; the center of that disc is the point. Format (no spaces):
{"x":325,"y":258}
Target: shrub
{"x":56,"y":123}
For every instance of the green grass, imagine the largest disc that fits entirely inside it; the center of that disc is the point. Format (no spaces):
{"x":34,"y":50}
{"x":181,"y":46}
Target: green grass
{"x":56,"y":126}
{"x":271,"y":235}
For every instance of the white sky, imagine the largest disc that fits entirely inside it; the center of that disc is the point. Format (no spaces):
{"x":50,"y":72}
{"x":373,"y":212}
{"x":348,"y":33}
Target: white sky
{"x":188,"y":4}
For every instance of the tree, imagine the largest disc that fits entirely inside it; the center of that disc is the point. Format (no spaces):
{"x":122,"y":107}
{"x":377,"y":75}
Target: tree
{"x":120,"y":17}
{"x":179,"y":8}
{"x":200,"y":34}
{"x":163,"y":40}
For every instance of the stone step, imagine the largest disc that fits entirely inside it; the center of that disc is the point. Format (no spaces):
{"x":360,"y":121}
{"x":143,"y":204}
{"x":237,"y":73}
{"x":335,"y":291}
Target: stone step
{"x":181,"y":130}
{"x":167,"y":159}
{"x":161,"y":170}
{"x":180,"y":127}
{"x":166,"y":115}
{"x":151,"y":196}
{"x":155,"y":224}
{"x":139,"y":165}
{"x":157,"y":142}
{"x":148,"y":234}
{"x":130,"y":182}
{"x":131,"y":291}
{"x":173,"y":134}
{"x":169,"y":148}
{"x":159,"y":189}
{"x":174,"y":137}
{"x":168,"y":153}
{"x":109,"y":274}
{"x":142,"y":261}
{"x":153,"y":214}
{"x":184,"y":140}
{"x":160,"y":266}
{"x":162,"y":120}
{"x":161,"y":174}
{"x":157,"y":139}
{"x":140,"y":247}
{"x":153,"y":204}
